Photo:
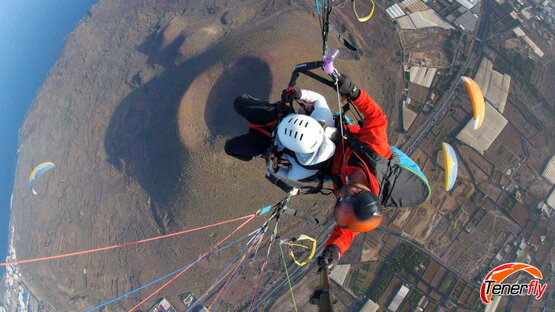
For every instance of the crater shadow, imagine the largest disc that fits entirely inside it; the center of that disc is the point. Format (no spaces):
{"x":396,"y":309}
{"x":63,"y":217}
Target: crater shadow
{"x":142,"y":138}
{"x":249,"y":75}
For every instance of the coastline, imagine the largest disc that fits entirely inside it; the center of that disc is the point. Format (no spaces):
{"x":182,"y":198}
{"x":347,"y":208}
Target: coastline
{"x":15,"y":294}
{"x":20,"y":98}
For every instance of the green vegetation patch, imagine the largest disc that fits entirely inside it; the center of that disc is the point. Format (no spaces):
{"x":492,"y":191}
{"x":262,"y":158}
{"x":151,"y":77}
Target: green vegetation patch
{"x":384,"y":277}
{"x":422,"y":266}
{"x":509,"y":204}
{"x":366,"y":267}
{"x":411,"y":301}
{"x":447,"y":283}
{"x":473,"y":298}
{"x":415,"y":106}
{"x":356,"y":282}
{"x":408,"y":276}
{"x":409,"y":262}
{"x":457,"y":291}
{"x":410,"y":259}
{"x":353,"y":280}
{"x":469,"y":296}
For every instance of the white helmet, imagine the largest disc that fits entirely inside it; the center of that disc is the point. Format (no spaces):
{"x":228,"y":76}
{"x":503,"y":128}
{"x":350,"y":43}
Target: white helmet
{"x":300,"y":133}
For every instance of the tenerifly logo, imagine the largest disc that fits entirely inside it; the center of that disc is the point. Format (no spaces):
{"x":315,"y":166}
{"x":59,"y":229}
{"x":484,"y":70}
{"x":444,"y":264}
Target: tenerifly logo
{"x":493,"y":282}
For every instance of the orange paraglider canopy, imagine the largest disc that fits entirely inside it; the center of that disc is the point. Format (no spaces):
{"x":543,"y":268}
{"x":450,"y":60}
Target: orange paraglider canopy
{"x":477,"y":99}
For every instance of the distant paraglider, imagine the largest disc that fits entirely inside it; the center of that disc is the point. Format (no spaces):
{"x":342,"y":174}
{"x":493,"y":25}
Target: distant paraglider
{"x":37,"y":172}
{"x":477,"y":99}
{"x":451,"y":166}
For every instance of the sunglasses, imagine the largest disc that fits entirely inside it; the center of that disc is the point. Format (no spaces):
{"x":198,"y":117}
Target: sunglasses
{"x":348,"y":198}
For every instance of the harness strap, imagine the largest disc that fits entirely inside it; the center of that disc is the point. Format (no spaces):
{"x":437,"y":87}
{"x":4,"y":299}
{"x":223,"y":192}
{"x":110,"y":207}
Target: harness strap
{"x":370,"y":162}
{"x":260,"y":127}
{"x":317,"y":166}
{"x":361,"y":163}
{"x":287,"y":185}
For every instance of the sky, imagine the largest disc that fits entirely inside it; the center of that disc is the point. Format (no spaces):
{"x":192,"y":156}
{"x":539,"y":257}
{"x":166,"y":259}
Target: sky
{"x":32,"y":34}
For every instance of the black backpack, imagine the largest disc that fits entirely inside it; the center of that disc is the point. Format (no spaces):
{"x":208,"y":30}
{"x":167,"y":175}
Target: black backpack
{"x":402,"y":183}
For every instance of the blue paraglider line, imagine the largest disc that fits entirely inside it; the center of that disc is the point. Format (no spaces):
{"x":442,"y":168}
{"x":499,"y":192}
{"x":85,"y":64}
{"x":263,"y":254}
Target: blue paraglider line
{"x":168,"y":275}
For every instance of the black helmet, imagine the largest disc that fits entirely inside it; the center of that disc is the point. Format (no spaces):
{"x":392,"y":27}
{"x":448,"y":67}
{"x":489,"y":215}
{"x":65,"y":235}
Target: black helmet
{"x":361,"y":215}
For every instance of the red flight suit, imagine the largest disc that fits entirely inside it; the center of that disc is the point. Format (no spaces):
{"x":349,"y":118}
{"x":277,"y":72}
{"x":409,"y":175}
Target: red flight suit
{"x":373,"y":134}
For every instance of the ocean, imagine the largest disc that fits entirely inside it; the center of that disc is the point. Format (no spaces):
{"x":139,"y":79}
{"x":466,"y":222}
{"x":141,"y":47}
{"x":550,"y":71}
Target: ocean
{"x":32,"y":35}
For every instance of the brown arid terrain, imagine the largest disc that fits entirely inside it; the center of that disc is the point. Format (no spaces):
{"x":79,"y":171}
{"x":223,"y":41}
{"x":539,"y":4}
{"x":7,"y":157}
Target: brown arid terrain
{"x":135,"y":113}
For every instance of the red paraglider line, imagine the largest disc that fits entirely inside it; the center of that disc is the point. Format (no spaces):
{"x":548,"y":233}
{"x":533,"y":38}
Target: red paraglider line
{"x":125,"y":244}
{"x":185,"y":270}
{"x":225,"y":285}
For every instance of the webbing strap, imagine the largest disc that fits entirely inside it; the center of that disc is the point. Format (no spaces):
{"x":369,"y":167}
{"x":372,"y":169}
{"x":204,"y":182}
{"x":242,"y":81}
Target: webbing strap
{"x":260,"y":127}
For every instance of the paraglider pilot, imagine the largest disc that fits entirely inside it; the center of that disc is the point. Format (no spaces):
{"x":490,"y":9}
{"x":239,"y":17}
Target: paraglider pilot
{"x":303,"y":142}
{"x":369,"y":174}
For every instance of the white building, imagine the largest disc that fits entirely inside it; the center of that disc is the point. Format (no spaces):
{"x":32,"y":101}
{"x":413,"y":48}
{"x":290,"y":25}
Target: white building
{"x":469,"y":4}
{"x":399,"y":297}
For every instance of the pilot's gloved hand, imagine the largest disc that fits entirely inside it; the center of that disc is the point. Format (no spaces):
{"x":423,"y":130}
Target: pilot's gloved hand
{"x":290,"y":94}
{"x":329,"y":257}
{"x":306,"y":109}
{"x":348,"y":88}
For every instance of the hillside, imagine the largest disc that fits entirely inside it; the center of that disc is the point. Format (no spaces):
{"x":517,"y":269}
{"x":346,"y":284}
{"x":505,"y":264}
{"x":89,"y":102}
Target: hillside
{"x":134,"y":114}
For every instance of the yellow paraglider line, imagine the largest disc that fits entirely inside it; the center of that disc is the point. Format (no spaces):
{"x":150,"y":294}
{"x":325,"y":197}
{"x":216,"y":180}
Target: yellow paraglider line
{"x":367,"y":17}
{"x":300,"y":238}
{"x":293,"y":244}
{"x":288,"y":278}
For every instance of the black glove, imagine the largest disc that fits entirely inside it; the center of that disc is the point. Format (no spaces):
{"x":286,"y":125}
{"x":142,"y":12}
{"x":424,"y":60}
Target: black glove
{"x":290,"y":94}
{"x":348,"y":88}
{"x":329,"y":257}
